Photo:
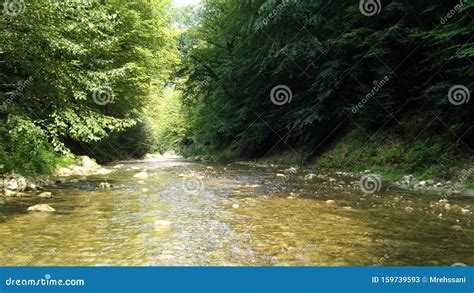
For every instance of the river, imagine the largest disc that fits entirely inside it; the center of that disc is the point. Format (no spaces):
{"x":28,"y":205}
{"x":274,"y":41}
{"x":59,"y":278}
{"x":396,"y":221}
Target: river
{"x":195,"y":214}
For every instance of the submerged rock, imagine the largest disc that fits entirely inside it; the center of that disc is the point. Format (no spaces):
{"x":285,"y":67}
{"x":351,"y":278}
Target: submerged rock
{"x":235,"y":206}
{"x":41,"y":208}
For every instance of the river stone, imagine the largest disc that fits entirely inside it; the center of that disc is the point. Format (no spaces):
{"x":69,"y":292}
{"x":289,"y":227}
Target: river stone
{"x":41,"y":208}
{"x":330,"y":201}
{"x":105,"y":185}
{"x":80,"y":170}
{"x":235,"y":206}
{"x":63,"y":171}
{"x":141,"y":175}
{"x":10,"y":193}
{"x":45,"y":195}
{"x":15,"y":183}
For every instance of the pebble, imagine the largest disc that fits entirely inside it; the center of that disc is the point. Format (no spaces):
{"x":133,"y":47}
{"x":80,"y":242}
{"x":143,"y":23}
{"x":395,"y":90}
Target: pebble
{"x":330,"y":201}
{"x":235,"y":206}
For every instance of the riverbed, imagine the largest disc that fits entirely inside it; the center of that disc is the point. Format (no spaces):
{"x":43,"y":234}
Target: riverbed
{"x":198,"y":214}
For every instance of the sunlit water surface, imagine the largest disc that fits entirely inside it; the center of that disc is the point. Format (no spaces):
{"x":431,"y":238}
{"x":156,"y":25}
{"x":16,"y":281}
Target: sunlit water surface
{"x":231,"y":216}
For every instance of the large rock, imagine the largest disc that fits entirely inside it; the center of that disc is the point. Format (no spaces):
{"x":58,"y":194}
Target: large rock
{"x":64,"y":172}
{"x":80,"y":170}
{"x":88,"y":163}
{"x":41,"y":208}
{"x":15,"y":183}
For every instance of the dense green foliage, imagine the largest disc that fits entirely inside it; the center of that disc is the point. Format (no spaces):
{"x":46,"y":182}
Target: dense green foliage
{"x":251,"y":78}
{"x":388,"y":72}
{"x":75,"y":74}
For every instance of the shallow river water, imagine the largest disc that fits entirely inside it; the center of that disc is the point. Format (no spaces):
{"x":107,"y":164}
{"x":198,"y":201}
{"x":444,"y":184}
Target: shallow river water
{"x":190,"y":213}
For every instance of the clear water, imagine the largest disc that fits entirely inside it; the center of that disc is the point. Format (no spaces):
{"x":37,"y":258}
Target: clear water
{"x":231,"y":217}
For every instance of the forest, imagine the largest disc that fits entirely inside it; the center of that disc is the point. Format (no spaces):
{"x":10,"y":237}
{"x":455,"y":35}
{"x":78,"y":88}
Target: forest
{"x":337,"y":85}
